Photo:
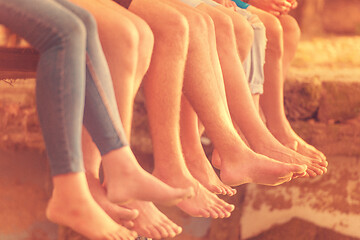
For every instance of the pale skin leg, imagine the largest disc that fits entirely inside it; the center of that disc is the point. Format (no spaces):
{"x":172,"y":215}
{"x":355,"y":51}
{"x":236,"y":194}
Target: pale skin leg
{"x":142,"y":224}
{"x":162,"y":89}
{"x":120,"y":165}
{"x":126,"y":95}
{"x":283,"y":35}
{"x":244,"y":112}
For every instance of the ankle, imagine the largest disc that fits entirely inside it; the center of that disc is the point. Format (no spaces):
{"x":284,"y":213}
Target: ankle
{"x":171,"y":175}
{"x":70,"y":186}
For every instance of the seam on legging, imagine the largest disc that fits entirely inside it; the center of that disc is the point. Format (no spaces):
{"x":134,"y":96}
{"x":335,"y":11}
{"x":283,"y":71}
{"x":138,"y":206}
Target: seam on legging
{"x":103,"y":97}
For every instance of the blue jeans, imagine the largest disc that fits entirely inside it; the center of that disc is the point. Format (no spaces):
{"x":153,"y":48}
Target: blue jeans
{"x":74,"y":85}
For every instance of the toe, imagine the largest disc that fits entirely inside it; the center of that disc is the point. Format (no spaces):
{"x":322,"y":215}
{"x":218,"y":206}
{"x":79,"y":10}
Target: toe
{"x":163,"y":231}
{"x":216,"y":189}
{"x":213,"y":213}
{"x":169,"y":229}
{"x":204,"y":213}
{"x":154,"y":233}
{"x":311,"y":173}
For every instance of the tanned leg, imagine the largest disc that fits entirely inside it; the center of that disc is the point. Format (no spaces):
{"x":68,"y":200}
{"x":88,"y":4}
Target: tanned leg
{"x":272,"y":101}
{"x":163,"y":91}
{"x":244,"y":112}
{"x":151,"y":222}
{"x":195,"y":157}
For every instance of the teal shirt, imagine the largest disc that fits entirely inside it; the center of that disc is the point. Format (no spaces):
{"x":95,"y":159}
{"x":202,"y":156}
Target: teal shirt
{"x":241,"y":4}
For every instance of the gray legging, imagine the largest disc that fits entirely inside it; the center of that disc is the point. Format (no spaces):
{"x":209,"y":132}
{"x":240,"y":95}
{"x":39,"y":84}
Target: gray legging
{"x":73,"y":80}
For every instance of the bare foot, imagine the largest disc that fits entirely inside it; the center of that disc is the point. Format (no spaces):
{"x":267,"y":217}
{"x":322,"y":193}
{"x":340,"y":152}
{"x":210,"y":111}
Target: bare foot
{"x":284,"y":133}
{"x":293,"y":141}
{"x":201,"y":169}
{"x":283,"y":154}
{"x":119,"y":214}
{"x":72,"y":205}
{"x":216,"y":162}
{"x":272,"y":148}
{"x":126,"y":180}
{"x":204,"y":203}
{"x":152,"y":223}
{"x":245,"y":166}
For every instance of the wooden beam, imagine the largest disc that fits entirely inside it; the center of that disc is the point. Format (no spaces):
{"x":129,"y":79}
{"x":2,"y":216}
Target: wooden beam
{"x":18,"y":62}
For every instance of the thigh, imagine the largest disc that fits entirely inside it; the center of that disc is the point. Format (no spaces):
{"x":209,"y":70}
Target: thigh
{"x":38,"y":21}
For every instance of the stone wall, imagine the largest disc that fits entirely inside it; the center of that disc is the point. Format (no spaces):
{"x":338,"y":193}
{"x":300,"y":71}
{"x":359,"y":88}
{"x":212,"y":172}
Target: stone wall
{"x":328,"y":16}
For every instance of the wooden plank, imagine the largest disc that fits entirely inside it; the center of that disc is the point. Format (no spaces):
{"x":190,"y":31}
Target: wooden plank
{"x":18,"y":62}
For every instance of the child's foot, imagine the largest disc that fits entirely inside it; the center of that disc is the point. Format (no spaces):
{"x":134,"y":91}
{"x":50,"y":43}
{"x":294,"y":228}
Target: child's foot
{"x":152,"y":223}
{"x":204,"y":203}
{"x":119,"y":214}
{"x":72,"y":205}
{"x":126,"y":180}
{"x":245,"y":166}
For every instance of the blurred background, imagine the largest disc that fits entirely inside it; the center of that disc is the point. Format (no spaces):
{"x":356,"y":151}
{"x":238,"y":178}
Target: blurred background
{"x":322,"y":99}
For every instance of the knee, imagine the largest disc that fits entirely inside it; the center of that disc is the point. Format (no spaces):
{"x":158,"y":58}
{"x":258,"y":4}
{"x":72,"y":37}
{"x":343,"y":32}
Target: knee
{"x":173,"y":30}
{"x":224,"y":24}
{"x":290,"y":27}
{"x":274,"y":34}
{"x":198,"y":25}
{"x":146,"y":36}
{"x":88,"y":21}
{"x":72,"y":32}
{"x":128,"y":36}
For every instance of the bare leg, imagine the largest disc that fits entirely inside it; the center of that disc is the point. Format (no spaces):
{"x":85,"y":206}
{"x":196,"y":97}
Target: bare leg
{"x":127,"y":76}
{"x":92,"y":161}
{"x":276,"y":65}
{"x":142,"y":217}
{"x":163,"y":92}
{"x":120,"y":165}
{"x":82,"y":207}
{"x":195,"y":157}
{"x":289,"y":137}
{"x":138,"y":210}
{"x":150,"y":222}
{"x":232,"y":150}
{"x":245,"y":114}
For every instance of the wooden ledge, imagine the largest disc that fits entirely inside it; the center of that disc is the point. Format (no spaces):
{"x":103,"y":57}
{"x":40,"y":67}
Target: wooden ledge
{"x":18,"y":63}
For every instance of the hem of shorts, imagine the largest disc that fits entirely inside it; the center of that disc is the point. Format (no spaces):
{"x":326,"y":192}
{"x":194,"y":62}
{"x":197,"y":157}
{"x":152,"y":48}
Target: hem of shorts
{"x":256,"y":88}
